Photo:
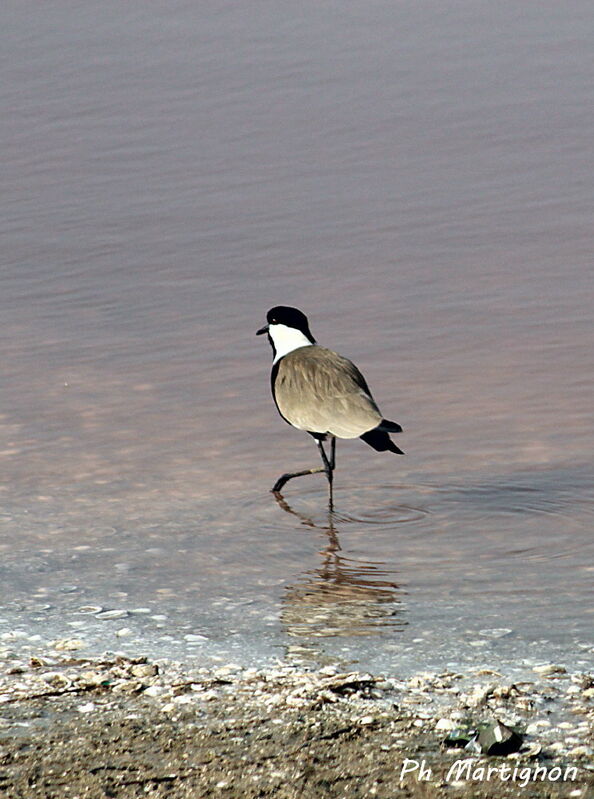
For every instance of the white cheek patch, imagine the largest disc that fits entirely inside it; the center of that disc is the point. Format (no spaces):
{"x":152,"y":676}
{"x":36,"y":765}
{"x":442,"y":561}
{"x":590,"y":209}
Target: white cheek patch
{"x":286,"y":339}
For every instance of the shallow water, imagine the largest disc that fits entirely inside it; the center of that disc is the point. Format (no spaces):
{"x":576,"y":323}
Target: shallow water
{"x":416,"y":180}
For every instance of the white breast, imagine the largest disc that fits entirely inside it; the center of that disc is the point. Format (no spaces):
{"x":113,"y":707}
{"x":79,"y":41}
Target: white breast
{"x":286,"y":339}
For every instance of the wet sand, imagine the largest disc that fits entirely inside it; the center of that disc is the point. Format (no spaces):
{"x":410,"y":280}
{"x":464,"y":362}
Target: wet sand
{"x":127,"y":728}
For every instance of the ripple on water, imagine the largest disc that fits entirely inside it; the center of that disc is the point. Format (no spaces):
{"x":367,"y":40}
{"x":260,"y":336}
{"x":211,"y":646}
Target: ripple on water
{"x":542,"y":516}
{"x":549,"y":519}
{"x":386,"y":506}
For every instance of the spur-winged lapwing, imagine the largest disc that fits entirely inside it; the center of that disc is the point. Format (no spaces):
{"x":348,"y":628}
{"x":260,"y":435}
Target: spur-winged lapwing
{"x":320,"y":392}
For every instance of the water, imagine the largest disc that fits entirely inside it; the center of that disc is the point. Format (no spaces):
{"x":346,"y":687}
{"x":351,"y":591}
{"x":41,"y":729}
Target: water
{"x":416,"y":179}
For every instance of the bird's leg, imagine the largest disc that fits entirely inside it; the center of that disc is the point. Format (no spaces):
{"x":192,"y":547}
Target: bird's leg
{"x":328,"y":468}
{"x":289,"y":476}
{"x":332,"y":467}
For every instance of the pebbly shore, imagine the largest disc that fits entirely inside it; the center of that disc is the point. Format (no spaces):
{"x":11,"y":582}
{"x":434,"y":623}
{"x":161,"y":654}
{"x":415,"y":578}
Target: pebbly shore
{"x":115,"y":726}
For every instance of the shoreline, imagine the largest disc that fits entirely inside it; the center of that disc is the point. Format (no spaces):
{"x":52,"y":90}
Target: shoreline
{"x":108,"y":726}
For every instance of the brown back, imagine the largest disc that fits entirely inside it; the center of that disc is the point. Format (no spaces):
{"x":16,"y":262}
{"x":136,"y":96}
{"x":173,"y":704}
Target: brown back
{"x":320,"y":391}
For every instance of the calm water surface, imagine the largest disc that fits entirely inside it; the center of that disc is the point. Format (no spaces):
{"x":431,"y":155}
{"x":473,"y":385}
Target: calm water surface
{"x":417,"y":178}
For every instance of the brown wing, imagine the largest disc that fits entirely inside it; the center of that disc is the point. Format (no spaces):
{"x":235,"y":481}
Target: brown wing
{"x":320,"y":391}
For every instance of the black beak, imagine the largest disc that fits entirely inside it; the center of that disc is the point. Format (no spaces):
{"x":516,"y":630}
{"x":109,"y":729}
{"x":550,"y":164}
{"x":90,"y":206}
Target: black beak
{"x":262,"y":330}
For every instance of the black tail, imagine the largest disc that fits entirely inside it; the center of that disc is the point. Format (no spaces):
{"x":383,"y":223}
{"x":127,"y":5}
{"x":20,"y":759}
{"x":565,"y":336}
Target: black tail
{"x":380,"y":440}
{"x":389,"y":427}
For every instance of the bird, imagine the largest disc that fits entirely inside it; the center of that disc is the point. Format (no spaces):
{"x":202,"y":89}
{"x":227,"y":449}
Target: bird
{"x":321,"y":392}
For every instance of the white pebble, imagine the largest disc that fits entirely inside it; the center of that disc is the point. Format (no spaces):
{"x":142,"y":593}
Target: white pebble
{"x":111,"y":614}
{"x":498,"y":632}
{"x":548,"y":669}
{"x":69,"y":644}
{"x":445,"y":725}
{"x":13,"y":635}
{"x":184,"y":699}
{"x":532,"y":729}
{"x":294,"y":701}
{"x":579,"y":751}
{"x":90,"y":609}
{"x":154,"y":690}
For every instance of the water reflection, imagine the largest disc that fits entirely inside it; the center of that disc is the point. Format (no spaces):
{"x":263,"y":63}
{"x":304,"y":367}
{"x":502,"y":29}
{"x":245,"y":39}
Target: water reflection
{"x":342,"y":596}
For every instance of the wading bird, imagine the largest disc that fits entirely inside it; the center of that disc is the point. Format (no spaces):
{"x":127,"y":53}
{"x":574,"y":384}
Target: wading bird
{"x":320,"y":392}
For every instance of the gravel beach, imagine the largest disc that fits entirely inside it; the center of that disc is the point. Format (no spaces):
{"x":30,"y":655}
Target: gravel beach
{"x":118,"y":727}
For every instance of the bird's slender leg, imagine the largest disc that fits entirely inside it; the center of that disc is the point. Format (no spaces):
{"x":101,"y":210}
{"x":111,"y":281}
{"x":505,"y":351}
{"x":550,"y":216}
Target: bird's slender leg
{"x":328,"y":468}
{"x":331,"y":475}
{"x":332,"y":467}
{"x":284,"y":478}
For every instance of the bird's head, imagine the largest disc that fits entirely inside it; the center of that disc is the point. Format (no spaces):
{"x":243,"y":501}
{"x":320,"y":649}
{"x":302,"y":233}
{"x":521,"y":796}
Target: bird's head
{"x":287,"y":330}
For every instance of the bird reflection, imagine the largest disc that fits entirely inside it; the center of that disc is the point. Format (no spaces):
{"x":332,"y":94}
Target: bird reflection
{"x":340,"y":597}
